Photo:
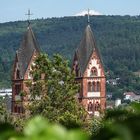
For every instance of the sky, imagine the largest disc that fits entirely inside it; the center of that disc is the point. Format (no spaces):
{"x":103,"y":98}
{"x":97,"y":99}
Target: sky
{"x":13,"y":10}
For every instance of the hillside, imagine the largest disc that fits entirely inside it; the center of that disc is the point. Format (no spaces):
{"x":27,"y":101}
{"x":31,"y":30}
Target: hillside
{"x":118,"y":38}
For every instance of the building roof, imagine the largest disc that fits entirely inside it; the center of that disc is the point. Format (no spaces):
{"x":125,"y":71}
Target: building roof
{"x":129,"y":93}
{"x":135,"y":98}
{"x":86,"y":48}
{"x":24,"y":54}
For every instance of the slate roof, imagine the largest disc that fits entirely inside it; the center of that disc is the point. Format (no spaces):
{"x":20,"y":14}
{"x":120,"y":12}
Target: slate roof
{"x":86,"y":48}
{"x":24,"y":54}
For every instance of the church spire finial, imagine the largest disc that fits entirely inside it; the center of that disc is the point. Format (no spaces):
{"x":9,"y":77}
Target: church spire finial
{"x":29,"y":16}
{"x":88,"y":16}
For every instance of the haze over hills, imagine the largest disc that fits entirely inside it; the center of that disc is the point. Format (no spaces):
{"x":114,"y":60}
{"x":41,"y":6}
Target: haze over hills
{"x":117,"y":37}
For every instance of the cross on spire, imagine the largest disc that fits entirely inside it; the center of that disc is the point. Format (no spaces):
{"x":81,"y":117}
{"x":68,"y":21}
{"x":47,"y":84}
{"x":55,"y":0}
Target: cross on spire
{"x":88,"y":16}
{"x":29,"y":14}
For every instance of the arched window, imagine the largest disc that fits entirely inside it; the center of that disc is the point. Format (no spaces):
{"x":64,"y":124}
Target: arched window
{"x":93,"y":87}
{"x":97,"y":106}
{"x":17,"y":74}
{"x":98,"y":86}
{"x":89,"y":87}
{"x":93,"y":72}
{"x":90,"y":106}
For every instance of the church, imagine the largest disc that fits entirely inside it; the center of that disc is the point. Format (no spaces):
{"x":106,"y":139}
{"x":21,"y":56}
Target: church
{"x":87,"y":66}
{"x":90,"y":74}
{"x":25,"y":56}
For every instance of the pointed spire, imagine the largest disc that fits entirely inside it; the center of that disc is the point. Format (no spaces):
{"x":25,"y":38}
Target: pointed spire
{"x":86,"y":48}
{"x":28,"y":47}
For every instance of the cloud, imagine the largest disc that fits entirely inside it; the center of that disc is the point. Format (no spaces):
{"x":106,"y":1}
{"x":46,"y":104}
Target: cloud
{"x":85,"y":12}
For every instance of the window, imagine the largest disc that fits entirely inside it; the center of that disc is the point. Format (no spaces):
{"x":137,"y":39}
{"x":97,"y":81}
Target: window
{"x":97,"y":106}
{"x":89,"y":87}
{"x":93,"y":72}
{"x":90,"y":106}
{"x":98,"y":86}
{"x":93,"y":87}
{"x":17,"y":89}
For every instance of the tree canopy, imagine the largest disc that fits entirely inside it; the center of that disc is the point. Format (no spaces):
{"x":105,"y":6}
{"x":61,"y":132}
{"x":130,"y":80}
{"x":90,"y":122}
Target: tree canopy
{"x":54,"y":92}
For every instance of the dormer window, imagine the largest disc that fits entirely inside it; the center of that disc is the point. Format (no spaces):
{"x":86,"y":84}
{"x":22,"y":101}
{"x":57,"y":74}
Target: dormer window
{"x":77,"y":71}
{"x":93,"y":72}
{"x":17,"y":74}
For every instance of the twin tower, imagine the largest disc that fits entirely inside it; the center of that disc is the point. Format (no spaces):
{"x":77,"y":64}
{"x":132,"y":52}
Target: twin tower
{"x":87,"y":65}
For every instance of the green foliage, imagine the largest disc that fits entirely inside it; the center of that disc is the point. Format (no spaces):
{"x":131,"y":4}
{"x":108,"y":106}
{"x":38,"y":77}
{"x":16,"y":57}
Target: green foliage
{"x":6,"y":131}
{"x":39,"y":129}
{"x":96,"y":125}
{"x":55,"y":89}
{"x":120,"y":124}
{"x":117,"y":38}
{"x":4,"y":114}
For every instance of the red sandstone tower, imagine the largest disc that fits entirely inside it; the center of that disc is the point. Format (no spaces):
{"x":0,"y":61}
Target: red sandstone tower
{"x":25,"y":57}
{"x":89,"y":70}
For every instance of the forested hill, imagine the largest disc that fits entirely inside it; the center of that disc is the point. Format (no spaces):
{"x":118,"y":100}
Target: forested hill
{"x":117,"y":37}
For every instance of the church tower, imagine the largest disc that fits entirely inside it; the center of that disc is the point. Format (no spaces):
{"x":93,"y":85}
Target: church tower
{"x":89,"y":71}
{"x":25,"y":57}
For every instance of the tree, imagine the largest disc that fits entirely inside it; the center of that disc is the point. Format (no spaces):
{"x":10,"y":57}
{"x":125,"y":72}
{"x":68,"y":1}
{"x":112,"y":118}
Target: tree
{"x":54,"y":92}
{"x":120,"y":124}
{"x":4,"y":114}
{"x":39,"y":129}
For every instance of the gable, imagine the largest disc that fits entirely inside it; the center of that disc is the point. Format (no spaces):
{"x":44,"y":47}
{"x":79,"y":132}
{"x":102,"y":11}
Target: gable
{"x":94,"y":63}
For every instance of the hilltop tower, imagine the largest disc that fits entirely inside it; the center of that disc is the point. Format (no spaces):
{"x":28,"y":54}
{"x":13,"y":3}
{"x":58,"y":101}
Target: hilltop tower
{"x":89,"y":71}
{"x":25,"y":57}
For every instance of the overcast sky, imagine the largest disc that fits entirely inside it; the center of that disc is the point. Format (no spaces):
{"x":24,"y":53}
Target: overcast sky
{"x":11,"y":10}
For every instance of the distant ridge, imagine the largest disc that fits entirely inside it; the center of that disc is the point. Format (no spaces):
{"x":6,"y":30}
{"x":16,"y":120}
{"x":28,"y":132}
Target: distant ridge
{"x":117,"y":38}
